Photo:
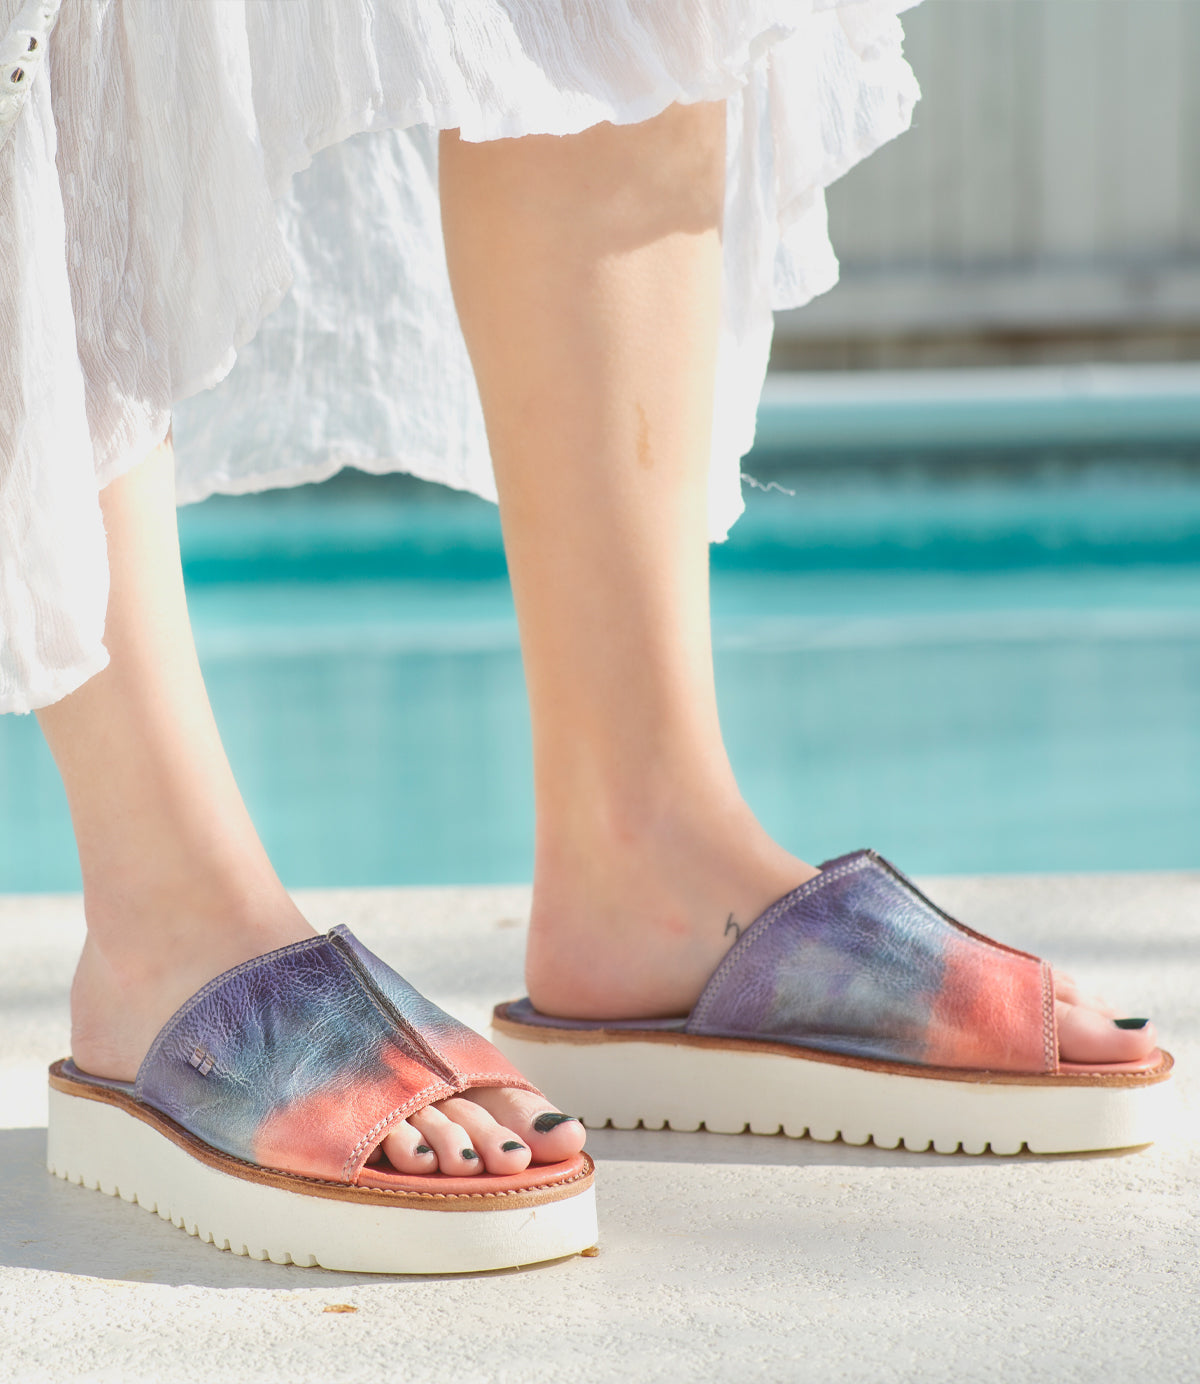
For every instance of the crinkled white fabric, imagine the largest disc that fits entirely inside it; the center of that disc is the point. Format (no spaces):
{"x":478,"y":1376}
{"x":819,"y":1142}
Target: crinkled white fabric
{"x":243,"y":194}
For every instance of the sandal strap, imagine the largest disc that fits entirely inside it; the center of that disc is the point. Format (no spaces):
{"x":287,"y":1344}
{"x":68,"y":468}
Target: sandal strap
{"x":303,"y":1059}
{"x":857,"y":961}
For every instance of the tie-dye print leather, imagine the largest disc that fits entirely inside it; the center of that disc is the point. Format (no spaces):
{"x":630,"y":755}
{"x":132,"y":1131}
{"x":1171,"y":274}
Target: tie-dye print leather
{"x":302,"y":1059}
{"x":857,"y":961}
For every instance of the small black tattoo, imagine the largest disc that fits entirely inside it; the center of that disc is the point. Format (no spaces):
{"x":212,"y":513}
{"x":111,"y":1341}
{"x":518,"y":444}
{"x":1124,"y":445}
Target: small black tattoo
{"x":737,"y":930}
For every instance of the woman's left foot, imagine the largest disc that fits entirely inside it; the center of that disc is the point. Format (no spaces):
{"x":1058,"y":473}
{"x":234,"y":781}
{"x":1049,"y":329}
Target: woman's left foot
{"x":855,"y":1008}
{"x":636,"y":932}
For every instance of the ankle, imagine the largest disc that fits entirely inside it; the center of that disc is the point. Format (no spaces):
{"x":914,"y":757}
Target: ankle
{"x":608,"y":850}
{"x":631,"y":916}
{"x":148,"y":954}
{"x":160,"y":929}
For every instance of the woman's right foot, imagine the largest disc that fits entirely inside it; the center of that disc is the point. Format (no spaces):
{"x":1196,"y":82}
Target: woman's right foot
{"x":177,"y":885}
{"x":117,"y":1011}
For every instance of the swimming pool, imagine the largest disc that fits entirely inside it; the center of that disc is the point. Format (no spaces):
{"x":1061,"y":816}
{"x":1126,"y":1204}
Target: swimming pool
{"x":973,"y":655}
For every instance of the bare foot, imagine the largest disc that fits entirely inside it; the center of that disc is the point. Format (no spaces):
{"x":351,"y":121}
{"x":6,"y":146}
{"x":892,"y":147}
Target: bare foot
{"x":117,"y":1010}
{"x":635,"y":932}
{"x":1090,"y":1030}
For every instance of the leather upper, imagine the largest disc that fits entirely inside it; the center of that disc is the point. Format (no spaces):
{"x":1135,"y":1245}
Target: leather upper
{"x":301,"y":1060}
{"x":858,"y":961}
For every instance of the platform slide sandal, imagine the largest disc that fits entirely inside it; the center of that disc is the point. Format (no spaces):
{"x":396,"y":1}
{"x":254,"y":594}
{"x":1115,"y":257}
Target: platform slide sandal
{"x":254,"y":1114}
{"x":853,"y":1008}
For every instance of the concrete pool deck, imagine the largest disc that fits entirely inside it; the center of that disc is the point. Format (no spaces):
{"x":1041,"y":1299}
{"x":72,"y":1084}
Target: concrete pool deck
{"x":722,"y":1257}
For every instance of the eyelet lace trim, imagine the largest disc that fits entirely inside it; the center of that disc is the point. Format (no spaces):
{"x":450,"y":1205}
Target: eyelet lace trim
{"x":22,"y":51}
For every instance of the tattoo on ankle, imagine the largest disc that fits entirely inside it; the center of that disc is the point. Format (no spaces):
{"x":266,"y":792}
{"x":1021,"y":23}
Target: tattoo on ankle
{"x":732,"y":926}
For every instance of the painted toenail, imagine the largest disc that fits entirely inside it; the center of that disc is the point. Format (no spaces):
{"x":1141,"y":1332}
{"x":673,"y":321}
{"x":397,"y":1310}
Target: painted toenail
{"x":511,"y":1147}
{"x":423,"y":1148}
{"x":551,"y":1120}
{"x":1131,"y":1023}
{"x":470,"y":1155}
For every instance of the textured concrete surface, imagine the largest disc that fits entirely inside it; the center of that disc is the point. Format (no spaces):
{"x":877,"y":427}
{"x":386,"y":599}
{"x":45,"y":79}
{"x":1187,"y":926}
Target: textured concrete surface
{"x":723,"y":1258}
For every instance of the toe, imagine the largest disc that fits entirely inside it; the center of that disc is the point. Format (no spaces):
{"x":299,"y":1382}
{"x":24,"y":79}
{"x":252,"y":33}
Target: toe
{"x":456,"y":1155}
{"x":550,"y":1135}
{"x":1087,"y":1035}
{"x":1065,"y":987}
{"x":500,"y":1149}
{"x":406,"y":1149}
{"x":1100,"y":1005}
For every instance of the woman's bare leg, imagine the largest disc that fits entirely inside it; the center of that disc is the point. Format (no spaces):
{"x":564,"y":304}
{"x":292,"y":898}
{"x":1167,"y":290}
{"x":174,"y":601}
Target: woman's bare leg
{"x":586,"y":271}
{"x":177,"y":886}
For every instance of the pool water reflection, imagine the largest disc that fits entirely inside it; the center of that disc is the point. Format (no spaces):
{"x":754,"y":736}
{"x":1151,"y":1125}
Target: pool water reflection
{"x":1001,"y":718}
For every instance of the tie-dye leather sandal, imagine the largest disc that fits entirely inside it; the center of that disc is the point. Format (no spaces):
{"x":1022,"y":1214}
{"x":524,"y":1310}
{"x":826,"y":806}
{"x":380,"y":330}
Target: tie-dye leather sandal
{"x":853,"y":1008}
{"x":256,"y":1109}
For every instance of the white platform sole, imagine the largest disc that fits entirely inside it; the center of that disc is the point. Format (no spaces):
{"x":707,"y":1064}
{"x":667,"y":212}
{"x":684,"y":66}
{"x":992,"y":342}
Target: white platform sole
{"x":696,"y":1083}
{"x":100,"y":1146}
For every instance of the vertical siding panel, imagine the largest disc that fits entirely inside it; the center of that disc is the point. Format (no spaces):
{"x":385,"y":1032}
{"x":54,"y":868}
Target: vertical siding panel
{"x":1068,"y":164}
{"x":1139,"y":129}
{"x":886,"y":213}
{"x":1110,"y":132}
{"x":985,"y":151}
{"x":908,"y":224}
{"x":1188,"y":170}
{"x":1050,"y":132}
{"x":916,"y":173}
{"x":1027,"y":133}
{"x":939,"y":201}
{"x":1156,"y":50}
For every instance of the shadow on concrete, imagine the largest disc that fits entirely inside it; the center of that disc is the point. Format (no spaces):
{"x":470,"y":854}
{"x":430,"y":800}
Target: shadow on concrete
{"x":51,"y":1225}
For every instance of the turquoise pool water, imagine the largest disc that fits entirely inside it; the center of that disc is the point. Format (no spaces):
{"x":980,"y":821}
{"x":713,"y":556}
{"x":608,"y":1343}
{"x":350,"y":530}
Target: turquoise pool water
{"x":971,"y":662}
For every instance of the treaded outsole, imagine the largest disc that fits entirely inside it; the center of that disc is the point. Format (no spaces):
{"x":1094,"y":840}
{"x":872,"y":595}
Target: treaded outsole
{"x":629,"y":1084}
{"x":98,"y":1146}
{"x":192,"y":1228}
{"x":852,"y":1139}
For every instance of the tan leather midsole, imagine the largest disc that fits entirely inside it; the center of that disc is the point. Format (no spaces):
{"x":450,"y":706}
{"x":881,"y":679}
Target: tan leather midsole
{"x":538,"y":1194}
{"x":538,"y":1033}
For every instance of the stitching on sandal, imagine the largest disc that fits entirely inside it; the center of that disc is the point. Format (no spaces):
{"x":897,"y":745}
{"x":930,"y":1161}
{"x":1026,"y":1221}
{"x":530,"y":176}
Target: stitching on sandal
{"x":757,"y":930}
{"x":421,"y":1101}
{"x":306,"y":944}
{"x":427,"y":1053}
{"x":511,"y":1078}
{"x":989,"y":945}
{"x":744,"y":947}
{"x":378,"y":1130}
{"x":1049,"y":1024}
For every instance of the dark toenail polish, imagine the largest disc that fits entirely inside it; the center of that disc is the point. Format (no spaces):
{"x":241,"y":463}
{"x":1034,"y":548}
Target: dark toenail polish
{"x":424,"y":1148}
{"x":470,"y":1155}
{"x":551,"y":1120}
{"x":1131,"y":1023}
{"x":511,"y":1147}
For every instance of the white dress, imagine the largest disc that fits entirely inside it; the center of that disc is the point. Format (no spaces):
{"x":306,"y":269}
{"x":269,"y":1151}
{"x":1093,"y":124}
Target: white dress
{"x":243,"y":194}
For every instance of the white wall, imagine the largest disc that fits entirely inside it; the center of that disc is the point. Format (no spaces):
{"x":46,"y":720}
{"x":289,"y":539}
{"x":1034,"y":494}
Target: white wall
{"x":1051,"y":178}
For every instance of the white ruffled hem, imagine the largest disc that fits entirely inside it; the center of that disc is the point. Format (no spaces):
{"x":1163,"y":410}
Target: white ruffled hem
{"x":203,"y":235}
{"x":54,"y":684}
